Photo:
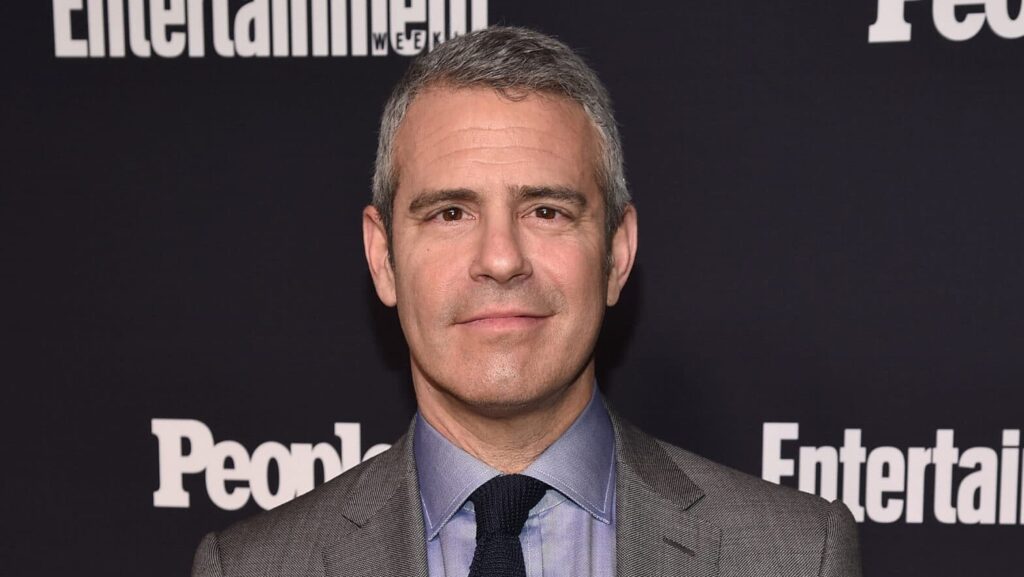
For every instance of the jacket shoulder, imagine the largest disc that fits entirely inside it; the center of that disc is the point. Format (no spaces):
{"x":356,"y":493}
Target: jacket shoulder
{"x":760,"y":519}
{"x":290,"y":539}
{"x":723,"y":484}
{"x":763,"y":528}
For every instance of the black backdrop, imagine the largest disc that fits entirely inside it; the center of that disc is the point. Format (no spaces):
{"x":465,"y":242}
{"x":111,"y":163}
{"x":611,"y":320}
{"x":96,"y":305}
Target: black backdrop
{"x":830,"y":236}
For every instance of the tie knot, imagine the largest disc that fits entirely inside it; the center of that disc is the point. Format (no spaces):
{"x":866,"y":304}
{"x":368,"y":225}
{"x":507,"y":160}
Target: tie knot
{"x":503,"y":503}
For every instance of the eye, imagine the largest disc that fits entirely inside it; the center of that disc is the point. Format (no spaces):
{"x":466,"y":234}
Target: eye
{"x":546,"y":212}
{"x":453,"y":213}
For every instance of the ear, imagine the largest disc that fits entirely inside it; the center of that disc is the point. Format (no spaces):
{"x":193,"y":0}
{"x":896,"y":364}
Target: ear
{"x":623,"y":254}
{"x":375,"y":243}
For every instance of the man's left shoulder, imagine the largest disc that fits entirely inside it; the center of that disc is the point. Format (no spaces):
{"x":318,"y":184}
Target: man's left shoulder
{"x":757,"y":517}
{"x":736,"y":523}
{"x":734,"y":497}
{"x":715,"y":492}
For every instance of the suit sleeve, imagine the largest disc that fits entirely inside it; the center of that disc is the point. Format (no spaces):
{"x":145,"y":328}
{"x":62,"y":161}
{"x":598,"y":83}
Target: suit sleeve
{"x":841,"y":554}
{"x":206,"y":562}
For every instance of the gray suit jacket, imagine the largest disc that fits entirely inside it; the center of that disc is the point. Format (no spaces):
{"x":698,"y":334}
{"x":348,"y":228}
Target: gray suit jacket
{"x":676,"y":514}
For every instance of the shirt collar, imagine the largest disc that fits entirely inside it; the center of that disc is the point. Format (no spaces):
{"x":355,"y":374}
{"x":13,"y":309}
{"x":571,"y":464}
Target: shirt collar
{"x":580,"y":465}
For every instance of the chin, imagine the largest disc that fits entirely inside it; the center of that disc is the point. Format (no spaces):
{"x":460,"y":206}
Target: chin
{"x":504,"y":394}
{"x":503,"y":397}
{"x":501,"y":385}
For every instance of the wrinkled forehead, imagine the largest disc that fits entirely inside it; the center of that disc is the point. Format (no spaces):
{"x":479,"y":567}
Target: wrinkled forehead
{"x":445,"y":125}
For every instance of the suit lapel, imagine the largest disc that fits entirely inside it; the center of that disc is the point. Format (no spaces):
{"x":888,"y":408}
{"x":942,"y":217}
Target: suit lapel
{"x":385,"y":535}
{"x":656,"y":535}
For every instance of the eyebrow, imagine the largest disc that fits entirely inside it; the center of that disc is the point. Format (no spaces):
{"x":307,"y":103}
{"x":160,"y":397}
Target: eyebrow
{"x":562,"y":193}
{"x":430,"y":198}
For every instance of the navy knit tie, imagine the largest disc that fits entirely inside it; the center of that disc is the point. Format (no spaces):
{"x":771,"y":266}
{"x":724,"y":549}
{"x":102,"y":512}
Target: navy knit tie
{"x":502,"y":505}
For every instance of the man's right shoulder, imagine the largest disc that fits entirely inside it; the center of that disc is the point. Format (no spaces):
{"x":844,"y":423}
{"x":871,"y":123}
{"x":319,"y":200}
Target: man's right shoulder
{"x":291,"y":539}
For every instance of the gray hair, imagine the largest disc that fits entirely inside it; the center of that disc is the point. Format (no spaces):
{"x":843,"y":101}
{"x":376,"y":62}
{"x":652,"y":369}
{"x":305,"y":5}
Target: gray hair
{"x":515,"y":62}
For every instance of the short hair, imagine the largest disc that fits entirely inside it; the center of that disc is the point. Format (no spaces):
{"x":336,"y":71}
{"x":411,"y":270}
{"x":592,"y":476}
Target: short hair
{"x":515,"y":62}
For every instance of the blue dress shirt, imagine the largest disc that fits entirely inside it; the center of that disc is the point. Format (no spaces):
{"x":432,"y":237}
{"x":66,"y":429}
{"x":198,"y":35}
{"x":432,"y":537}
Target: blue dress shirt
{"x":569,"y":533}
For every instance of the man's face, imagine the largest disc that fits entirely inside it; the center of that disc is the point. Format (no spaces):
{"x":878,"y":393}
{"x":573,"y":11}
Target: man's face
{"x":498,"y":247}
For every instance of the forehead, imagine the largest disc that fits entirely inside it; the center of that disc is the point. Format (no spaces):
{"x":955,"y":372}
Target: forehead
{"x":476,"y":137}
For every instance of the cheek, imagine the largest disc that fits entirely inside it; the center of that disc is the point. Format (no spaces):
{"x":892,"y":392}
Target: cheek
{"x":576,"y":270}
{"x":425,"y":282}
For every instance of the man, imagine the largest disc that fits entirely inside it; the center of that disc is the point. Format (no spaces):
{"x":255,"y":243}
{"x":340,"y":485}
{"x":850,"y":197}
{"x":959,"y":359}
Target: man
{"x":501,"y":228}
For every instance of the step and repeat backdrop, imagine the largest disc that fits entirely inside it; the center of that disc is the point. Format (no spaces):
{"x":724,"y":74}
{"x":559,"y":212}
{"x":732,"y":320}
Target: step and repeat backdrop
{"x":828,"y":291}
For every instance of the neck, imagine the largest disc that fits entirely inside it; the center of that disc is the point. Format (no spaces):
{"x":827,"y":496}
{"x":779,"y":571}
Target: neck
{"x":507,"y":438}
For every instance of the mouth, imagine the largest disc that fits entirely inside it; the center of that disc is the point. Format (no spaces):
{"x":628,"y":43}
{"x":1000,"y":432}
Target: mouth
{"x":503,"y":320}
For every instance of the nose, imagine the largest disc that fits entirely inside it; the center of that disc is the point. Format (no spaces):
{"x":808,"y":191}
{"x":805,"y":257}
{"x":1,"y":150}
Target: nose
{"x":499,"y":254}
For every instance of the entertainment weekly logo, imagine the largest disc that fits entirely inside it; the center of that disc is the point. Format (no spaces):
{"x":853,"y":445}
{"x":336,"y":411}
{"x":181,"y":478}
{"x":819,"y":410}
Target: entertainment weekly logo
{"x":233,"y":475}
{"x":259,"y":28}
{"x":955,"y":20}
{"x":972,"y":486}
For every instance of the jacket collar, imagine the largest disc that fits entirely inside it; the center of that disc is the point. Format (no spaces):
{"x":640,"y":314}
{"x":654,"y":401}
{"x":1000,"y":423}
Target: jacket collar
{"x":657,"y":533}
{"x":385,"y":536}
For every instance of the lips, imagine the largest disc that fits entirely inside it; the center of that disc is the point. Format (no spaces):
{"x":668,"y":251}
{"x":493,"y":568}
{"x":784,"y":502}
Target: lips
{"x":503,"y":314}
{"x":503,"y":319}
